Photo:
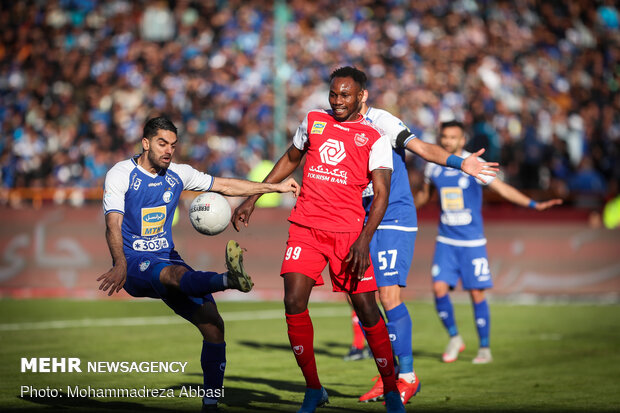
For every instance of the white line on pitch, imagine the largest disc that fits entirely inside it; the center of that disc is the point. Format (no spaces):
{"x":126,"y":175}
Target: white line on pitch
{"x":162,"y":320}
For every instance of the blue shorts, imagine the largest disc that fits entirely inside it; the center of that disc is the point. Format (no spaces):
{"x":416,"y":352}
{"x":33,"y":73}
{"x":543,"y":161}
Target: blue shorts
{"x":143,"y":281}
{"x":391,"y":252}
{"x":470,"y":264}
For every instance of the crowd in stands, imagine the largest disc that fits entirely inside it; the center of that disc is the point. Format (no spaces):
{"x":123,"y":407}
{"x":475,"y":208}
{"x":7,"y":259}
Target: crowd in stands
{"x":536,"y":82}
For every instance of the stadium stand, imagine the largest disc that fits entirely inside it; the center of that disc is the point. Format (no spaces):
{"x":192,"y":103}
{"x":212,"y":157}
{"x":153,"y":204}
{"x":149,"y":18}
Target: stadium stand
{"x":536,"y":83}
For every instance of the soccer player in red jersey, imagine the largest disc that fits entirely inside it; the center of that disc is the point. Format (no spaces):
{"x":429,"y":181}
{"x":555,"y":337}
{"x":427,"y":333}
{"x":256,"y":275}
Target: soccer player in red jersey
{"x":344,"y":152}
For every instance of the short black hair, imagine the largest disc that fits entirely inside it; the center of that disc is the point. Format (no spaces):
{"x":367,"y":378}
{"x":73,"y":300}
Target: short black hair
{"x":450,"y":124}
{"x":354,"y":73}
{"x":154,"y":124}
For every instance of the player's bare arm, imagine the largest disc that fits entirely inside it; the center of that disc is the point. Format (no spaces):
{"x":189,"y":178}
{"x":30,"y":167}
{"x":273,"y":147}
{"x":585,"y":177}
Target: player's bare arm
{"x":359,"y":254}
{"x":436,"y":154}
{"x":512,"y":194}
{"x":240,"y":187}
{"x":114,"y":279}
{"x":283,"y":168}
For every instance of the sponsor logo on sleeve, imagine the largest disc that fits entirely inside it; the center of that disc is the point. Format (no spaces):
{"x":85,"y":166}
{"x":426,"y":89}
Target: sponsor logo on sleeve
{"x":318,"y":127}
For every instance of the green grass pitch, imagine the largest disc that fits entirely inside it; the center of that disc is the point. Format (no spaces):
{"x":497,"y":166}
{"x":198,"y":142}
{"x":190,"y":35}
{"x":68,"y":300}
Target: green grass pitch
{"x":556,"y":358}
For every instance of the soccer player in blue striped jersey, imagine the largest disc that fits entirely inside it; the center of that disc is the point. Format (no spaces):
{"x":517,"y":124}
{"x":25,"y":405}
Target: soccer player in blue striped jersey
{"x":392,"y":245}
{"x":460,"y":249}
{"x":140,"y":197}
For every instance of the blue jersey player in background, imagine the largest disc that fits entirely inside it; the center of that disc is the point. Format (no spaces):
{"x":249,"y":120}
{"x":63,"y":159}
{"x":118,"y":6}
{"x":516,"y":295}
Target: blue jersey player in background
{"x":392,"y":245}
{"x":460,"y":249}
{"x":140,"y":197}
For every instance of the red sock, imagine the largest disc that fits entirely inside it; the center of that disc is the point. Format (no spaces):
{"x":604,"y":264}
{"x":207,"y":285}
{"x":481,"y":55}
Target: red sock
{"x":301,"y":336}
{"x":379,"y":342}
{"x":358,"y":335}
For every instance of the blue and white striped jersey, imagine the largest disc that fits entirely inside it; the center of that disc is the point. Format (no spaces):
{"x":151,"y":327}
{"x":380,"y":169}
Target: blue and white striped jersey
{"x":148,"y":202}
{"x":401,"y":212}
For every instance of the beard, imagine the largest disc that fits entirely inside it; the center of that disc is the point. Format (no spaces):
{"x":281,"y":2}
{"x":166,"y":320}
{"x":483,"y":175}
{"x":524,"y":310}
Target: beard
{"x":157,"y":161}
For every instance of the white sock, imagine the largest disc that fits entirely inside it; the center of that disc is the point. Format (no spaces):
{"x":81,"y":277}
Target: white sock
{"x":408,"y":377}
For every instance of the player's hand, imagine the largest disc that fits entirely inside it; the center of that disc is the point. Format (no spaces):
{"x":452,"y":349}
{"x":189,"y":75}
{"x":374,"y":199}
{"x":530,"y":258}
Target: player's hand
{"x":358,"y":258}
{"x":113,"y":279}
{"x":289,"y":185}
{"x":475,"y":167}
{"x":242,"y":214}
{"x":541,"y":206}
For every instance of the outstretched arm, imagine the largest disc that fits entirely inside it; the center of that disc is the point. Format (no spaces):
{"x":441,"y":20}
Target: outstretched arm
{"x":512,"y":194}
{"x":436,"y":154}
{"x":359,"y":253}
{"x":241,"y":187}
{"x":115,"y":278}
{"x":283,"y":168}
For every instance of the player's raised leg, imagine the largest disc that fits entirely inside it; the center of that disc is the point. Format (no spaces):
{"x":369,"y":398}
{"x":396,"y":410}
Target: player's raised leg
{"x":200,"y":283}
{"x":236,"y":276}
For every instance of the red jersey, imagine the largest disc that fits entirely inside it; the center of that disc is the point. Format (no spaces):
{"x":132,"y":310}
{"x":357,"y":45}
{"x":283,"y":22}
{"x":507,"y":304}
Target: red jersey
{"x":339,"y":159}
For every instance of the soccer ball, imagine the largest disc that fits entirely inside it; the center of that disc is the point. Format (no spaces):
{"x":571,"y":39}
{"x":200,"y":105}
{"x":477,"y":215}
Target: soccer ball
{"x":210,"y":213}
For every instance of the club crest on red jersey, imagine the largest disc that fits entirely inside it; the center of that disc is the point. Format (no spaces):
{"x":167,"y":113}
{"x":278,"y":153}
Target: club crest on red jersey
{"x":360,"y":139}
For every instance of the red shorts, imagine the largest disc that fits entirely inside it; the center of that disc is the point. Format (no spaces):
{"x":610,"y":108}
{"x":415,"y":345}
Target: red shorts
{"x":308,"y":250}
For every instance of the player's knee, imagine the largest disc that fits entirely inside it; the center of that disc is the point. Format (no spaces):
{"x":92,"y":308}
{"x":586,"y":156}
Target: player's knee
{"x":210,"y":324}
{"x":440,"y":289}
{"x":369,"y":316}
{"x":390,"y":297}
{"x":293,"y":304}
{"x":477,"y":296}
{"x":367,"y":311}
{"x":212,"y":332}
{"x":171,"y":276}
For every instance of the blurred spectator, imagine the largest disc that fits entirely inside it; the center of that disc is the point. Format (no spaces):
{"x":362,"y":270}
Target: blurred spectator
{"x":536,"y":82}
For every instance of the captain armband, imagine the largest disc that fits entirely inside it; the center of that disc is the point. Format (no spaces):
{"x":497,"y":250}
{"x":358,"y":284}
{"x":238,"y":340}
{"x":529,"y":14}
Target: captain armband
{"x":402,"y":138}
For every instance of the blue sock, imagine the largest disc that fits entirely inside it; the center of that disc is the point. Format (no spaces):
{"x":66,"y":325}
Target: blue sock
{"x":399,"y":328}
{"x":213,"y":362}
{"x":483,"y":322}
{"x":201,"y":283}
{"x":446,"y":314}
